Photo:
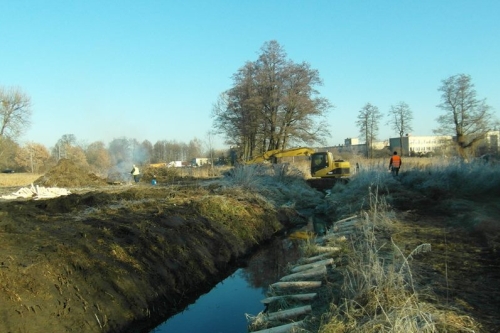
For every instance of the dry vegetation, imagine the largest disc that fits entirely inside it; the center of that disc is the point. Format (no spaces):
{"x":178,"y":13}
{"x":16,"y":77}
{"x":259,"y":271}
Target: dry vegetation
{"x":393,"y":281}
{"x":412,"y":266}
{"x":17,"y":179}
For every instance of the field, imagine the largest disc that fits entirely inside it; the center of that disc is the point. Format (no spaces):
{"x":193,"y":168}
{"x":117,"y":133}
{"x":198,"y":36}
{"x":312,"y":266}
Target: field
{"x":17,"y":179}
{"x":117,"y":258}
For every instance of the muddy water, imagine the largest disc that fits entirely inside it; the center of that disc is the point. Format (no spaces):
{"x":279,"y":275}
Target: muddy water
{"x":223,"y":309}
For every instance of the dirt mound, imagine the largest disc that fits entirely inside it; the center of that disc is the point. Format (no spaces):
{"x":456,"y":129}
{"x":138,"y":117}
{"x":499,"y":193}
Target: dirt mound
{"x":68,"y":174}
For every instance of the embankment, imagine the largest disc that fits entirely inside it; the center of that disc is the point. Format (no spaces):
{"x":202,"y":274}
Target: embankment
{"x":121,"y":259}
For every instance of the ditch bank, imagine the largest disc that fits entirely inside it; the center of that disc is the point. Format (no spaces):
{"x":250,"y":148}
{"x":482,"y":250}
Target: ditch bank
{"x":123,"y":259}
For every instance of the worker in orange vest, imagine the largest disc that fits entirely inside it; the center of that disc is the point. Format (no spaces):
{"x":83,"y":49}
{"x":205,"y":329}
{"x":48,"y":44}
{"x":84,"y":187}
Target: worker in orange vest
{"x":395,"y":164}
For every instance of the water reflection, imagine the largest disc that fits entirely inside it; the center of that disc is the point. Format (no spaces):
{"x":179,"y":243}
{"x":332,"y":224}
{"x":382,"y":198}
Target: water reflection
{"x":223,"y":309}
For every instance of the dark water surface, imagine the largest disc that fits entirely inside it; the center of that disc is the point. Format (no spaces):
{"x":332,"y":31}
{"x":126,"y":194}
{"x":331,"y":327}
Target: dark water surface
{"x":223,"y":309}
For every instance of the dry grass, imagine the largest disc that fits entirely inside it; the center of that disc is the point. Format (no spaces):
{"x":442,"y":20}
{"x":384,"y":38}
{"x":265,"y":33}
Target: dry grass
{"x":379,"y":294}
{"x":17,"y":179}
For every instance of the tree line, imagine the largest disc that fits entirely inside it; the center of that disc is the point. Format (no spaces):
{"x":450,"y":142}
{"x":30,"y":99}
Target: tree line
{"x":274,"y":103}
{"x":98,"y":157}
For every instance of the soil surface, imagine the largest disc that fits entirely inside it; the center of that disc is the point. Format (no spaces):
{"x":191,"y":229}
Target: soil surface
{"x":462,"y":271}
{"x":120,"y":258}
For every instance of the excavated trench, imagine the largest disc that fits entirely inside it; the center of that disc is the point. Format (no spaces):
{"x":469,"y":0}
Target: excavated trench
{"x":123,"y":259}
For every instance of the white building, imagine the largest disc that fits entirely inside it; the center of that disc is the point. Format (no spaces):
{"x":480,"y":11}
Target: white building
{"x":418,"y":145}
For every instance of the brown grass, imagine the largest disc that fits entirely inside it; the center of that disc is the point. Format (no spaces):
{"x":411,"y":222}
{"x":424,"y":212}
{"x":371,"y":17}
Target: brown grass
{"x":17,"y":179}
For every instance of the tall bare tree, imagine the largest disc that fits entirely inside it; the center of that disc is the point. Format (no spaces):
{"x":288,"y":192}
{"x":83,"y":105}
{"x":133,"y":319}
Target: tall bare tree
{"x":147,"y":148}
{"x":368,"y":120}
{"x":194,"y":149}
{"x":15,"y":112}
{"x":272,"y":105}
{"x":400,"y":117}
{"x":465,"y":116}
{"x":63,"y":145}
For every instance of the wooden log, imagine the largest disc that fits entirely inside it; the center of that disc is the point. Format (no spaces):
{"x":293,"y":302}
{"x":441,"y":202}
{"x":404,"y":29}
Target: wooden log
{"x":281,"y":329}
{"x":342,"y":228}
{"x":289,"y":313}
{"x":297,"y":284}
{"x":347,"y":224}
{"x":298,"y":297}
{"x":311,"y":273}
{"x":346,"y":219}
{"x":327,"y":249}
{"x":301,"y":268}
{"x":331,"y":236}
{"x":315,"y":258}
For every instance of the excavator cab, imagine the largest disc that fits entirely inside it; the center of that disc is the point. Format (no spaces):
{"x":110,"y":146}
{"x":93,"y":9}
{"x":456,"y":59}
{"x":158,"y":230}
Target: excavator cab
{"x":326,"y":171}
{"x":323,"y":165}
{"x":318,"y":161}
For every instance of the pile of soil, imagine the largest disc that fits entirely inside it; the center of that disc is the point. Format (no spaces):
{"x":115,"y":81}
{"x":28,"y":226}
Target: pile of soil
{"x":68,"y":174}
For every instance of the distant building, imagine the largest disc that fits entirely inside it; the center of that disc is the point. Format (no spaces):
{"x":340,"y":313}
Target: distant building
{"x":352,"y":146}
{"x":419,"y":145}
{"x":490,"y":144}
{"x":351,"y":141}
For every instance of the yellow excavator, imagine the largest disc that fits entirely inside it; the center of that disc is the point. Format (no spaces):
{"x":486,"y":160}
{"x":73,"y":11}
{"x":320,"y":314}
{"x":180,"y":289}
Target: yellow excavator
{"x":325,"y":169}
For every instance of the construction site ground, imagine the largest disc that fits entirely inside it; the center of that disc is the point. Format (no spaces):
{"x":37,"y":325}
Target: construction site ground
{"x":120,"y":258}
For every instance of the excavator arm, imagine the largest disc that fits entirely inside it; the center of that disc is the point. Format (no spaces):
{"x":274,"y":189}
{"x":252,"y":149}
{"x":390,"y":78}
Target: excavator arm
{"x":272,"y":155}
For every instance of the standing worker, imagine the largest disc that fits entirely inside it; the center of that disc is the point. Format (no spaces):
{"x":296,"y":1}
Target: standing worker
{"x":135,"y":173}
{"x":395,"y":164}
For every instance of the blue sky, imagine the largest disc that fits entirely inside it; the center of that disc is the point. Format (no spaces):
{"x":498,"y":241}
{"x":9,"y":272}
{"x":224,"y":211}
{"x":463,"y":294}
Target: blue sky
{"x":153,"y":69}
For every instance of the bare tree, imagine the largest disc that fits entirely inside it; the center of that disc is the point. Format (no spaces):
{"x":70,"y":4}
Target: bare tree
{"x":15,"y":112}
{"x":400,"y":117}
{"x":194,"y":149}
{"x":147,"y":148}
{"x":63,"y":145}
{"x":368,"y":119}
{"x":121,"y":152}
{"x":272,"y":104}
{"x":467,"y":118}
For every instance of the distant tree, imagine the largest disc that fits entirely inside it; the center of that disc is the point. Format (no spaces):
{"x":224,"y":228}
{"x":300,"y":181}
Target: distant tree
{"x":67,"y":147}
{"x":32,"y":157}
{"x":98,"y":157}
{"x":8,"y":150}
{"x":465,"y":116}
{"x":194,"y":149}
{"x":209,"y":142}
{"x":77,"y":155}
{"x":147,"y":148}
{"x":176,"y":151}
{"x":368,"y":120}
{"x":159,"y":152}
{"x":15,"y":112}
{"x":60,"y":150}
{"x":400,"y":117}
{"x":120,"y":151}
{"x":273,"y":103}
